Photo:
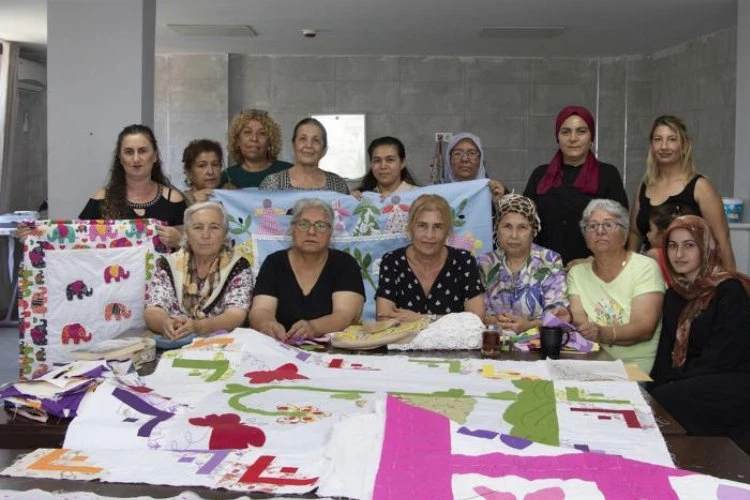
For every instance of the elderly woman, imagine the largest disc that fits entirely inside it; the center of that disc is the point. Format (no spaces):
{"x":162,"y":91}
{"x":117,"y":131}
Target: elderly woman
{"x":310,"y":289}
{"x":201,"y":162}
{"x":137,"y":187}
{"x":702,"y":368}
{"x":616,"y":298}
{"x":563,"y":188}
{"x":310,"y":142}
{"x":523,"y":280}
{"x":388,"y":173}
{"x":465,"y":158}
{"x":205,"y":286}
{"x":428,"y":278}
{"x":254,"y":142}
{"x":671,"y":177}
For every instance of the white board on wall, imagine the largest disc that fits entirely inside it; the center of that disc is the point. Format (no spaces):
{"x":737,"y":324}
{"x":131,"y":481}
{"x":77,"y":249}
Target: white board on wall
{"x":346,"y":144}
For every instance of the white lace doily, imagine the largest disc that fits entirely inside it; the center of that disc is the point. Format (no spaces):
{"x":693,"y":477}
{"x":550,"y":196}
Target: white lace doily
{"x":452,"y":331}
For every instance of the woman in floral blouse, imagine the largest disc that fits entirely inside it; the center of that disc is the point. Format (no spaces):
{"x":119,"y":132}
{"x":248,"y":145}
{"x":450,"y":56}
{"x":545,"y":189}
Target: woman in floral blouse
{"x":522,"y":279}
{"x":205,"y":286}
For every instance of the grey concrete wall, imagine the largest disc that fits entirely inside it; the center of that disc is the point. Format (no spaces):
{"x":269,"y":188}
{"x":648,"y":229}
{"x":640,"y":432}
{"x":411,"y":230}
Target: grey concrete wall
{"x":510,"y":103}
{"x":190,"y":96}
{"x":29,"y":174}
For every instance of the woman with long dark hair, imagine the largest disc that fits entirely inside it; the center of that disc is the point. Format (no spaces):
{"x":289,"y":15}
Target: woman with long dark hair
{"x":137,"y":187}
{"x":388,"y":173}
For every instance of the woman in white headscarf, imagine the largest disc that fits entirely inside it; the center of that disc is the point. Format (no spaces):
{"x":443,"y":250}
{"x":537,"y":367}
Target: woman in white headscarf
{"x":463,"y":160}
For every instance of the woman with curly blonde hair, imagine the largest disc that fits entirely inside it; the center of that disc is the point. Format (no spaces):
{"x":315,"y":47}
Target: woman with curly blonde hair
{"x":254,"y":142}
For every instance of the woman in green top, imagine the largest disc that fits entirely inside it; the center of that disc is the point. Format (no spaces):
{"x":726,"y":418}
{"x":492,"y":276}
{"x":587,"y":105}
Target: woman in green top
{"x":254,"y":142}
{"x":616,"y":299}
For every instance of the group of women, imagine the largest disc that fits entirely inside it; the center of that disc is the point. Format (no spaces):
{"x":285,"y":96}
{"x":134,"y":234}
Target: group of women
{"x":568,"y":247}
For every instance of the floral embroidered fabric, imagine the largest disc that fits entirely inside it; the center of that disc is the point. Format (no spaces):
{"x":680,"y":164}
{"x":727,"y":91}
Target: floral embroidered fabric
{"x":540,"y":286}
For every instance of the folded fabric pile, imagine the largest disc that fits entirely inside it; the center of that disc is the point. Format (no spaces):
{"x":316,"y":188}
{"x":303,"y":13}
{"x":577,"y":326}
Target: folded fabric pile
{"x":56,"y":393}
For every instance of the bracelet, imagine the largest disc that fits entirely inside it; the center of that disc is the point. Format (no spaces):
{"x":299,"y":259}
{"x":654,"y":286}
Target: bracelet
{"x":614,"y":336}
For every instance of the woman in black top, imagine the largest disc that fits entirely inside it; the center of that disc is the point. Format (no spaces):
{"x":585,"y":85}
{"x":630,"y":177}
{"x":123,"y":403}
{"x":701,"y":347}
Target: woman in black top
{"x":574,"y":177}
{"x":310,"y":289}
{"x":137,"y":187}
{"x":702,"y":368}
{"x":428,"y":277}
{"x":671,"y":177}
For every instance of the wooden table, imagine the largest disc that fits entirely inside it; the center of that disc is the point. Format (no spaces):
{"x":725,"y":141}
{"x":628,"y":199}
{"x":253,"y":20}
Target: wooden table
{"x":717,"y":456}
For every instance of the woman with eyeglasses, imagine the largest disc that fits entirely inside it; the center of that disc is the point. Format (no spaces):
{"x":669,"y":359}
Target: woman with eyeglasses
{"x":671,"y":177}
{"x":254,"y":142}
{"x":310,"y":289}
{"x":464,"y":159}
{"x":428,"y":278}
{"x":310,"y":141}
{"x":616,"y":298}
{"x":574,"y":177}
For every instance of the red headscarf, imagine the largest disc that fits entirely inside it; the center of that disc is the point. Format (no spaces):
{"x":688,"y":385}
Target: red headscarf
{"x":588,"y":179}
{"x":700,"y":292}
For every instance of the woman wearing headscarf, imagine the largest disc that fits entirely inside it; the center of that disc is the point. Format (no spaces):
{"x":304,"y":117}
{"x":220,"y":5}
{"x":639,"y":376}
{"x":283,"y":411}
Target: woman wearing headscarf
{"x":522,"y":279}
{"x":574,"y":177}
{"x":702,"y":368}
{"x":464,"y":161}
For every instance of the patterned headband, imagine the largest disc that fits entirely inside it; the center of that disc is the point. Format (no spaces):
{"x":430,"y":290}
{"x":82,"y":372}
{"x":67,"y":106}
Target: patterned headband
{"x":517,"y":204}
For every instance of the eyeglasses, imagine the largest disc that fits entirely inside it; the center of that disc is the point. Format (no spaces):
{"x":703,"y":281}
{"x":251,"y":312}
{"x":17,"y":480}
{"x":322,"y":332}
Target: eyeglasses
{"x":593,"y":227}
{"x":320,"y":226}
{"x":457,"y":154}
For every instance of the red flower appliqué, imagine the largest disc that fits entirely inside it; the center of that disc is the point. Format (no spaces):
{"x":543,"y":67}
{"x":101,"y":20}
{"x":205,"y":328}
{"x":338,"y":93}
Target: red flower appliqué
{"x":229,"y":433}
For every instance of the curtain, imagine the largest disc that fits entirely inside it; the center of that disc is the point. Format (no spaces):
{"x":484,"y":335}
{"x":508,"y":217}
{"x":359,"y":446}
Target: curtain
{"x":8,"y":118}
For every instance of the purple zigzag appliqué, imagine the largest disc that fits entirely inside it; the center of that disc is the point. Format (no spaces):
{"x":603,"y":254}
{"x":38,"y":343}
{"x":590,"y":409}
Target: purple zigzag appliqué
{"x":514,"y":442}
{"x":217,"y":457}
{"x":141,"y":406}
{"x":408,"y":453}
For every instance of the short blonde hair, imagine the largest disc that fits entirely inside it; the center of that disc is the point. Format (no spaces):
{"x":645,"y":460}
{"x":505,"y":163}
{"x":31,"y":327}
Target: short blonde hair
{"x":239,"y":122}
{"x":429,"y":203}
{"x":686,"y":148}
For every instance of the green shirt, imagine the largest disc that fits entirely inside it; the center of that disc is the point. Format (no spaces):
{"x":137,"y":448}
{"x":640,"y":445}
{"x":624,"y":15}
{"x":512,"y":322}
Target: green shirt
{"x":610,"y":304}
{"x":241,"y":178}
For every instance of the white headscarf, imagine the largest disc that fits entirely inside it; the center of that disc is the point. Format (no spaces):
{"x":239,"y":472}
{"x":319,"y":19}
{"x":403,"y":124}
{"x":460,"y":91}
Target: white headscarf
{"x":448,"y":171}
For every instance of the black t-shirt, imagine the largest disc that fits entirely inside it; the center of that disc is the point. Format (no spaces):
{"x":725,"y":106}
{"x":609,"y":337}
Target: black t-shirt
{"x":685,"y":197}
{"x":560,"y":209}
{"x":341,"y":273}
{"x":171,"y":212}
{"x":457,"y":282}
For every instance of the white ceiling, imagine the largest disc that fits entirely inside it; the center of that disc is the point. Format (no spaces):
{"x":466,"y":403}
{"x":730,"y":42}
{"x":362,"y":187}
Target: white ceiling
{"x":413,"y":27}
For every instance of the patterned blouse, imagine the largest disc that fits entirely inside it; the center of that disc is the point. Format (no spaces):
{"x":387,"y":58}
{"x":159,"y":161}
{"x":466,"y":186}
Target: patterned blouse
{"x":540,"y":286}
{"x":457,"y":282}
{"x":280,"y":181}
{"x":236,"y":290}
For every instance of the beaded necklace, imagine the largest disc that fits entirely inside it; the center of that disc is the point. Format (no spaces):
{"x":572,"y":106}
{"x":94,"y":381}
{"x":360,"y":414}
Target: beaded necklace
{"x":146,"y":204}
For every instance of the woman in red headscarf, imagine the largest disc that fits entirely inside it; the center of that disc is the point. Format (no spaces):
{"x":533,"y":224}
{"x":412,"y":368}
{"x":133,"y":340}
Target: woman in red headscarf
{"x":702,"y":368}
{"x":563,"y":188}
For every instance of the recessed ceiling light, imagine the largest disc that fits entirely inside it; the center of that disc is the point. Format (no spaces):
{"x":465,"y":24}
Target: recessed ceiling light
{"x":212,"y":30}
{"x":521,"y":31}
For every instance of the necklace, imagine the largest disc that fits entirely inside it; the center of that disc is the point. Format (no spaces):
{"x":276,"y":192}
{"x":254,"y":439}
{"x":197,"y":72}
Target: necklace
{"x":145,"y":204}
